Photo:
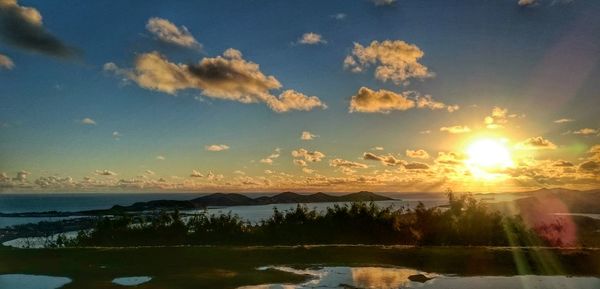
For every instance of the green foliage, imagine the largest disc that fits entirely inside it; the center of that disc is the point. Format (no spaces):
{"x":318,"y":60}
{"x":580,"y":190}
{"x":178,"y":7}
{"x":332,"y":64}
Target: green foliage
{"x":465,"y":221}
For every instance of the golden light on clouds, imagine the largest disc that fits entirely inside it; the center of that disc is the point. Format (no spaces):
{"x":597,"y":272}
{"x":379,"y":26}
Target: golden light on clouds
{"x":487,"y":157}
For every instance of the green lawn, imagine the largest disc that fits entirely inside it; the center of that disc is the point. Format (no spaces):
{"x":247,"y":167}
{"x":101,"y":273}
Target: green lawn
{"x":229,"y":267}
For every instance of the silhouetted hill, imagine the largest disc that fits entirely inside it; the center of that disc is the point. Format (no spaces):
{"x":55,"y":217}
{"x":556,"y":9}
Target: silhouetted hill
{"x":555,"y":200}
{"x":214,"y":200}
{"x":223,"y":200}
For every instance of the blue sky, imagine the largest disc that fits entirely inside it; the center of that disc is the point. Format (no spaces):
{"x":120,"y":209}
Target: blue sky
{"x":538,"y":63}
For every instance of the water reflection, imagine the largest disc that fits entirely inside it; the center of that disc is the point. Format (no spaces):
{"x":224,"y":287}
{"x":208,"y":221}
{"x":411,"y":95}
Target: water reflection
{"x":131,"y":281}
{"x":388,"y":278}
{"x":25,"y":281}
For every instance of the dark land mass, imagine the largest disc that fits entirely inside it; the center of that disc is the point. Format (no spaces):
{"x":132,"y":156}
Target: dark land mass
{"x":551,"y":201}
{"x":230,"y":267}
{"x":212,"y":200}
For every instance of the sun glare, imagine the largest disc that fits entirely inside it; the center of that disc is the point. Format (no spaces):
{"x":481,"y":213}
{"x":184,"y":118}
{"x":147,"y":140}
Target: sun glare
{"x":487,"y":157}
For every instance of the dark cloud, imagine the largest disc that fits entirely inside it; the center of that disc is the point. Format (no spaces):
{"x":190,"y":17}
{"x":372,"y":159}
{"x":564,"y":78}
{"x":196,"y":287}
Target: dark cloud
{"x":22,"y":27}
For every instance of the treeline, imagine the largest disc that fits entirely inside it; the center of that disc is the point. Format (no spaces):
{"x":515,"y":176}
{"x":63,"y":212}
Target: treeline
{"x":465,"y":221}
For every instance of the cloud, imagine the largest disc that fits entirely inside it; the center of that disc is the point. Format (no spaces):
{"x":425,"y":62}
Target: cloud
{"x":216,"y":147}
{"x":527,"y":2}
{"x":196,"y":174}
{"x":425,"y":132}
{"x":88,"y":121}
{"x":167,"y":32}
{"x":228,"y":77}
{"x":300,"y":162}
{"x":346,"y":164}
{"x":385,"y":101}
{"x":160,"y":158}
{"x":149,"y":172}
{"x":564,"y":120}
{"x":417,"y":154}
{"x":22,"y":27}
{"x":105,"y":173}
{"x":562,"y":163}
{"x":347,"y":167}
{"x":450,"y":158}
{"x":116,"y":135}
{"x":293,"y":100}
{"x":416,"y":166}
{"x":586,"y":131}
{"x":314,"y":156}
{"x":456,"y":129}
{"x":339,"y":16}
{"x":388,"y":160}
{"x":311,"y":38}
{"x":377,"y":148}
{"x":536,"y":143}
{"x":381,"y":101}
{"x":383,"y":2}
{"x":269,"y":159}
{"x":498,"y":118}
{"x":590,"y":166}
{"x":396,"y":61}
{"x":307,"y":135}
{"x":6,"y":62}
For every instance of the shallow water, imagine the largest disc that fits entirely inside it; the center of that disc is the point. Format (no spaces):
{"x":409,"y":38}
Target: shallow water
{"x":131,"y":281}
{"x":37,"y":242}
{"x":24,"y":281}
{"x":392,"y":278}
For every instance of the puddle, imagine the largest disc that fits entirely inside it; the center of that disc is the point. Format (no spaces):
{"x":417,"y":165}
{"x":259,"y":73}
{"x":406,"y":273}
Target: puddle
{"x":131,"y":281}
{"x":393,"y":278}
{"x":25,"y":281}
{"x":347,"y":277}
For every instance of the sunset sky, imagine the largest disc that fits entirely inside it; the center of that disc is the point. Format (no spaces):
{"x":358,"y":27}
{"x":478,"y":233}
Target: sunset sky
{"x":270,"y":95}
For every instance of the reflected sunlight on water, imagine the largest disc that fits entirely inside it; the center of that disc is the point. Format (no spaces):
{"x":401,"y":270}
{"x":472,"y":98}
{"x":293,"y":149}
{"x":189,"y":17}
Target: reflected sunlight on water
{"x":393,"y":277}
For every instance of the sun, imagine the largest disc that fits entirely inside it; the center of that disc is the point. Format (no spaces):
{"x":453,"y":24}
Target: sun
{"x":488,"y":157}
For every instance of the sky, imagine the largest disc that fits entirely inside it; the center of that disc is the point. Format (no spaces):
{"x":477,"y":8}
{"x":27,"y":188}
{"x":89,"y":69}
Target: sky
{"x":268,"y":96}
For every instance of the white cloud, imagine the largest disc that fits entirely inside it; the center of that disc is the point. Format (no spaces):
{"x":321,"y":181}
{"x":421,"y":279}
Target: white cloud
{"x":116,"y":135}
{"x":311,"y":38}
{"x":228,"y":77}
{"x":168,"y":32}
{"x":456,"y":129}
{"x":216,"y":147}
{"x":314,"y":156}
{"x":88,"y":121}
{"x":564,"y":120}
{"x":161,"y":158}
{"x":6,"y":62}
{"x":307,"y":135}
{"x":587,"y":131}
{"x":339,"y":16}
{"x":269,"y":159}
{"x":300,"y":162}
{"x":377,"y":148}
{"x":396,"y":61}
{"x":196,"y":174}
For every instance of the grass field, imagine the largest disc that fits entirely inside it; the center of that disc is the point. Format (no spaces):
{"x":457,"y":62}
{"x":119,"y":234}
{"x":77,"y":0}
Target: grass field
{"x":230,"y":267}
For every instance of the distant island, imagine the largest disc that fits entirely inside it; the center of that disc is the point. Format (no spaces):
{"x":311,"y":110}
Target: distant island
{"x":214,"y":200}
